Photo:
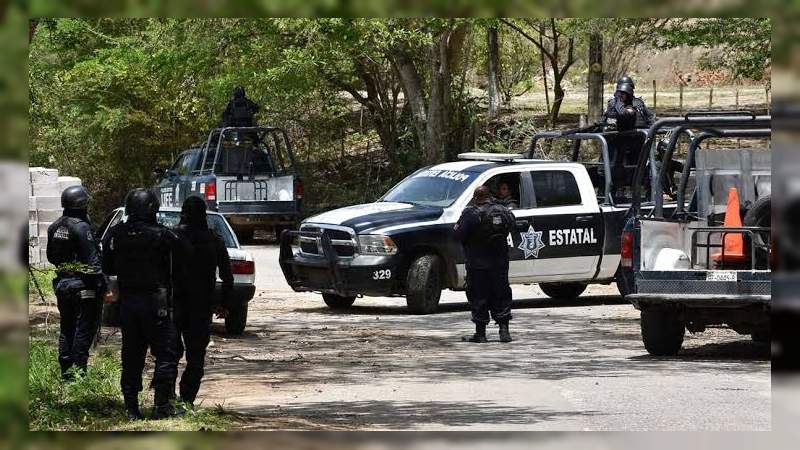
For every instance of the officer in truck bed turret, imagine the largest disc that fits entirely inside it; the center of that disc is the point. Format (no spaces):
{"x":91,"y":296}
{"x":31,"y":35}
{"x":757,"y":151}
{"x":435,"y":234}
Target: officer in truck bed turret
{"x":483,"y":230}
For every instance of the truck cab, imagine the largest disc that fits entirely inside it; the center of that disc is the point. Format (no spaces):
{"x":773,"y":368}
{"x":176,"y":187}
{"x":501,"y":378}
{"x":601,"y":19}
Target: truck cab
{"x":706,"y":262}
{"x":247,"y":174}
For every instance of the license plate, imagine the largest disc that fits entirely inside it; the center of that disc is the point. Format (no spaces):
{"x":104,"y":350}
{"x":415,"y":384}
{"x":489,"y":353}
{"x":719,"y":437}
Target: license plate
{"x":721,"y":275}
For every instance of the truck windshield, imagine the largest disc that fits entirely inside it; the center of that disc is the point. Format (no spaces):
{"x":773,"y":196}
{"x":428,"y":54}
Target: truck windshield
{"x":431,"y":187}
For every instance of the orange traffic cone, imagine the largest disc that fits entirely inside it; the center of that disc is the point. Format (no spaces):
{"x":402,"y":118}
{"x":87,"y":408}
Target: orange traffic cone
{"x":734,"y":242}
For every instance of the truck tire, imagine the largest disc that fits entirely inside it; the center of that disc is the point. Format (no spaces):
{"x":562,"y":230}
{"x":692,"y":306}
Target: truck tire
{"x":424,"y":284}
{"x":337,"y":301}
{"x":246,"y":235}
{"x":236,"y":319}
{"x":662,"y":331}
{"x":563,"y":290}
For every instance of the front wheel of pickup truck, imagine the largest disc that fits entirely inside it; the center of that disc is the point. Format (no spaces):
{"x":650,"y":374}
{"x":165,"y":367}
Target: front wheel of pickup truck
{"x":662,"y":331}
{"x":337,"y":301}
{"x":236,"y":319}
{"x":563,"y":290}
{"x":424,"y":284}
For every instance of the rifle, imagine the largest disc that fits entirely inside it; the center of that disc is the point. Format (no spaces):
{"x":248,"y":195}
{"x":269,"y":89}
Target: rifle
{"x":587,"y":129}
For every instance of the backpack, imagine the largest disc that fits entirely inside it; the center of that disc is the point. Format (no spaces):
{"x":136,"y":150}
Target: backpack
{"x":495,"y":223}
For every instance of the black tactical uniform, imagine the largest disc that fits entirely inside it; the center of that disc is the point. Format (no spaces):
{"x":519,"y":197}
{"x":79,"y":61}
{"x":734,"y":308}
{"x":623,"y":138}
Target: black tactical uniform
{"x":78,"y":285}
{"x":140,"y":252}
{"x":483,"y":229}
{"x":193,"y":296}
{"x":616,"y":105}
{"x":240,"y":110}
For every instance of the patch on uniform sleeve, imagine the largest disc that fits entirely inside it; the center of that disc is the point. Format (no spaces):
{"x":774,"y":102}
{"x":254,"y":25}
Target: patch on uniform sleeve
{"x":62,"y":233}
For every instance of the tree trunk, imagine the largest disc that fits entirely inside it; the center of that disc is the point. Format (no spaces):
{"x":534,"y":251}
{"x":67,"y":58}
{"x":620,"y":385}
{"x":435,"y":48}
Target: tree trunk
{"x":558,"y":98}
{"x":595,"y":78}
{"x":436,"y":125}
{"x":412,"y":88}
{"x":544,"y":70}
{"x":493,"y":72}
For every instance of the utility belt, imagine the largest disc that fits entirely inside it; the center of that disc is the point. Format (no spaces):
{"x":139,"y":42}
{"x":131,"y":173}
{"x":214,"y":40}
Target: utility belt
{"x":72,"y":286}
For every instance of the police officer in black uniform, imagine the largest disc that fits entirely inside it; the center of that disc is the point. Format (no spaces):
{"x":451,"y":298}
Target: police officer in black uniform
{"x":624,"y":97}
{"x":79,"y":283}
{"x":240,"y":110}
{"x":483,"y":230}
{"x":140,"y":253}
{"x":193,"y":297}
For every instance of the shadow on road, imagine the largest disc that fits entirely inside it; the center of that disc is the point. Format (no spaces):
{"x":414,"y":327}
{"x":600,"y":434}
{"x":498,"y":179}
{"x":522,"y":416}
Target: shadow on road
{"x":736,"y":351}
{"x":409,"y":414}
{"x":450,"y":307}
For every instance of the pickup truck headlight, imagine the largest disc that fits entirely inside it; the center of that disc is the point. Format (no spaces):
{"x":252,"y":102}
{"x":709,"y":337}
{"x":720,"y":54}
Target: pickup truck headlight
{"x":376,"y":244}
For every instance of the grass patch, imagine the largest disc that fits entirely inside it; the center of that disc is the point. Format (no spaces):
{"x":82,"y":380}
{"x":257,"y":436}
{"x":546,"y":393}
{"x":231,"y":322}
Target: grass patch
{"x":44,"y":279}
{"x":94,"y":401}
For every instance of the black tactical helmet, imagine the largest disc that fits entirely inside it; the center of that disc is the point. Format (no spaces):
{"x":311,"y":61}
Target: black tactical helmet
{"x":625,"y":79}
{"x":193,"y":211}
{"x":238,"y":92}
{"x":142,"y":204}
{"x":626,"y":120}
{"x":625,"y":87}
{"x":75,"y":197}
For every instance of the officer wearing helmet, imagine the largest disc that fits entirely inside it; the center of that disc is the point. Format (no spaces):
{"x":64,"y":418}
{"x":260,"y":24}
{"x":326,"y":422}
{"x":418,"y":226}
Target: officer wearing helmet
{"x":79,"y":283}
{"x":240,"y":110}
{"x":140,"y":253}
{"x":207,"y":256}
{"x":624,"y":97}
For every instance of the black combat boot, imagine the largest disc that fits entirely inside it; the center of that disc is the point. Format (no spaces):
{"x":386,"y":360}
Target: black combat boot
{"x":163,"y":408}
{"x":505,"y":335}
{"x":479,"y":336}
{"x":132,"y":408}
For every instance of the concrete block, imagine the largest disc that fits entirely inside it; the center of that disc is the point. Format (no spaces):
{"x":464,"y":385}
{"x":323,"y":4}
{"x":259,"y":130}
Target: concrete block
{"x":43,"y":258}
{"x":33,"y":229}
{"x":47,"y":189}
{"x":48,"y":203}
{"x":43,"y":228}
{"x":38,"y":241}
{"x":33,"y":217}
{"x":31,"y":203}
{"x":34,"y":255}
{"x":43,"y":175}
{"x":49,"y":215}
{"x":65,"y":182}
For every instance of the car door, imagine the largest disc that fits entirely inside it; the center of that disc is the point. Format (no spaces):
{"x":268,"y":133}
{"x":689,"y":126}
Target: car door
{"x":565,"y":237}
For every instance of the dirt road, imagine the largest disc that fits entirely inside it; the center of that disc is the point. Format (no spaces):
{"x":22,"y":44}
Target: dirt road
{"x":576,"y":365}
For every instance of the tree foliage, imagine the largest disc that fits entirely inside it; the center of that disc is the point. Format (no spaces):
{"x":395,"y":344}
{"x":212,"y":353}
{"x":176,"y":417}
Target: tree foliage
{"x":113,"y":99}
{"x":744,"y":43}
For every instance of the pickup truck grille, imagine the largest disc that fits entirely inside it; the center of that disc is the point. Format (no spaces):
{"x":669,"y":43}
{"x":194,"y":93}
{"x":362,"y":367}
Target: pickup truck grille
{"x":343,"y":241}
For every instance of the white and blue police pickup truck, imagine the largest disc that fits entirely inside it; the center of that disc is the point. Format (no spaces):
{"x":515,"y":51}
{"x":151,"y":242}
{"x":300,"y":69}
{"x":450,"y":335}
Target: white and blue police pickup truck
{"x":403,"y":244}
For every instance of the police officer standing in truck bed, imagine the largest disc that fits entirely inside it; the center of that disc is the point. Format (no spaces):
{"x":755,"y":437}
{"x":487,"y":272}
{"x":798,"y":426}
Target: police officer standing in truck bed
{"x":78,"y":285}
{"x":140,"y":252}
{"x":624,"y":97}
{"x":483,"y":230}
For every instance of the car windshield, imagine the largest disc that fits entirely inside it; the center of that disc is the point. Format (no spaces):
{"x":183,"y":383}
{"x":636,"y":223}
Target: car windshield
{"x":171,"y":219}
{"x":431,"y":187}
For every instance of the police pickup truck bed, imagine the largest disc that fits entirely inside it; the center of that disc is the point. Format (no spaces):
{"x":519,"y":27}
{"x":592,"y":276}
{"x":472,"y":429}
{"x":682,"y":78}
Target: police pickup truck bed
{"x":403,"y":244}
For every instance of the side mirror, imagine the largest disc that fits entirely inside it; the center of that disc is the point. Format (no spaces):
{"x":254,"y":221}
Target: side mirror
{"x":158,"y":173}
